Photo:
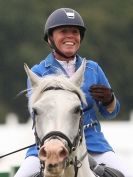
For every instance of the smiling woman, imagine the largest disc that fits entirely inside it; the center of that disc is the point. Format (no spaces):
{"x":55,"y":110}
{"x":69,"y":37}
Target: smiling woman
{"x":69,"y":27}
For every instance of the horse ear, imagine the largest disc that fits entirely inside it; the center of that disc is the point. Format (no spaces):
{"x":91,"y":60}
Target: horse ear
{"x":34,"y":79}
{"x":78,"y":76}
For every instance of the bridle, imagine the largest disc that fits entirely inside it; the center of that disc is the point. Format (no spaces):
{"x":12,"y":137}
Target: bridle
{"x":71,"y":146}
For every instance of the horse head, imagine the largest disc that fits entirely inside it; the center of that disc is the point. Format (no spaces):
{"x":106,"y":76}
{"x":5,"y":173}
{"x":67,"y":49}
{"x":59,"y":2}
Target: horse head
{"x":56,"y":106}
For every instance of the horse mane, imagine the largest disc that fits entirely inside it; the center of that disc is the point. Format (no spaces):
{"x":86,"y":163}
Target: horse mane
{"x":55,"y":81}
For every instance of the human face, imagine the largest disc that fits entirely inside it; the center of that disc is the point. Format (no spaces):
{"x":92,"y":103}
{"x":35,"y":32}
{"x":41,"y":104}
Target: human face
{"x":67,"y":40}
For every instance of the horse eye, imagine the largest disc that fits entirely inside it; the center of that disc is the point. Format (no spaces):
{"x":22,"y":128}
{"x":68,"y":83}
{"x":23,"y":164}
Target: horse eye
{"x":78,"y":110}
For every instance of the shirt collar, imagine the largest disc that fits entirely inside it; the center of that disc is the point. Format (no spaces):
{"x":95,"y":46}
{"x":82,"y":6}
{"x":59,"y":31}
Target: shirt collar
{"x":70,"y":62}
{"x":50,"y":60}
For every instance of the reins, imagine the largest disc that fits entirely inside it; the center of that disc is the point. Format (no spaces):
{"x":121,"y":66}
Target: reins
{"x":21,"y":149}
{"x":13,"y":152}
{"x":77,"y":163}
{"x":32,"y":145}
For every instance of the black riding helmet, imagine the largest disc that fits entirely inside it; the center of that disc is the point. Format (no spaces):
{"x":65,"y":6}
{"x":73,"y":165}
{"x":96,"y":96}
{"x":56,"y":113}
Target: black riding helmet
{"x":64,"y":17}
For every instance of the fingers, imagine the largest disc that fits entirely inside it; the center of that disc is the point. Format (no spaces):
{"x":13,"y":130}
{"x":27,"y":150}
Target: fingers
{"x":98,"y":89}
{"x":99,"y":96}
{"x":97,"y":86}
{"x":101,"y":93}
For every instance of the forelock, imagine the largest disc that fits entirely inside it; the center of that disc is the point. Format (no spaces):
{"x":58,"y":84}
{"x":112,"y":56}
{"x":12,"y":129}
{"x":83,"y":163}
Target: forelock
{"x":56,"y":81}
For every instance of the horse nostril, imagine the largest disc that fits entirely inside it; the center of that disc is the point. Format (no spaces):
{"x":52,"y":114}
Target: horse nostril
{"x":63,"y":152}
{"x":43,"y":153}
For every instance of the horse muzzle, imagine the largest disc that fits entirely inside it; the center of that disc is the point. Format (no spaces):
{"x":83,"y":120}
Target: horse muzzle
{"x":53,"y":155}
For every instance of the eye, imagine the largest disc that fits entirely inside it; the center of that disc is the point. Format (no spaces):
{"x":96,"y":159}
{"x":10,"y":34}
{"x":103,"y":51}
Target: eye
{"x":78,"y":110}
{"x":76,"y":31}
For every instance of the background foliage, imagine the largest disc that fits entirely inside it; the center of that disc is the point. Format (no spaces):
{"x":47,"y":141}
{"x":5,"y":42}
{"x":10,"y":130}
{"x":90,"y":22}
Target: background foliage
{"x":108,"y":41}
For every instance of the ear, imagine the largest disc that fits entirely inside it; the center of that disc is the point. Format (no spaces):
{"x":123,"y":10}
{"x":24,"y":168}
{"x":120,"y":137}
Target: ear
{"x":49,"y":42}
{"x":34,"y":79}
{"x":78,"y":76}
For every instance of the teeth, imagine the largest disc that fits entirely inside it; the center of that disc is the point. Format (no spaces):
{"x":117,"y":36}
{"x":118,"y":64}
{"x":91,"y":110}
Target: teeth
{"x":69,"y":43}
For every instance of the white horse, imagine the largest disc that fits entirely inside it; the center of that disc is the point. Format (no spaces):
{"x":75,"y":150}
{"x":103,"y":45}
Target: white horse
{"x":56,"y":106}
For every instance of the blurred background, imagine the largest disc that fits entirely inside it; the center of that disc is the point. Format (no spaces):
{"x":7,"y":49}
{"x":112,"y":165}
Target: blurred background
{"x":108,"y":40}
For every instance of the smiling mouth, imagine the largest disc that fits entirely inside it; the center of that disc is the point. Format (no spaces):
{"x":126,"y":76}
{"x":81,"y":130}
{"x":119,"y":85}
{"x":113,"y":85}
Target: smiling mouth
{"x":69,"y":43}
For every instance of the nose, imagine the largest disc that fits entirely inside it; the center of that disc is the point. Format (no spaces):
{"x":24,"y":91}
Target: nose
{"x":70,"y":35}
{"x":53,"y":152}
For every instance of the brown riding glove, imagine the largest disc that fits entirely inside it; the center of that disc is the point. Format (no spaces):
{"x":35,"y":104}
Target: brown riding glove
{"x":102,"y":93}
